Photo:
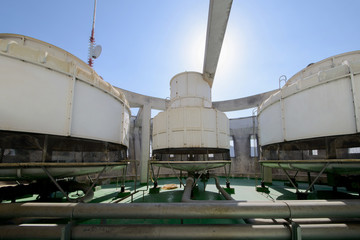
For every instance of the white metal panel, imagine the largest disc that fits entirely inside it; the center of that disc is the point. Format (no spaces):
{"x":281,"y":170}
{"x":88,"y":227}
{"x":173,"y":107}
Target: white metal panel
{"x":160,"y":141}
{"x":321,"y":100}
{"x":210,"y":119}
{"x":190,"y":102}
{"x":209,"y":139}
{"x":189,"y":89}
{"x":176,"y":139}
{"x":356,"y":95}
{"x":223,"y":131}
{"x":96,"y":115}
{"x":40,"y":97}
{"x":223,"y":140}
{"x":270,"y":126}
{"x":160,"y":131}
{"x":33,"y":99}
{"x":176,"y":119}
{"x":222,"y":122}
{"x":323,"y":110}
{"x":178,"y":86}
{"x":193,"y":139}
{"x":192,"y":123}
{"x":160,"y":123}
{"x":191,"y":127}
{"x":193,"y":119}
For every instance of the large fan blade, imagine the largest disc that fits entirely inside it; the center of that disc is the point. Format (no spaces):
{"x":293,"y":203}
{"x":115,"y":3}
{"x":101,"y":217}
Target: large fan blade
{"x":219,"y":12}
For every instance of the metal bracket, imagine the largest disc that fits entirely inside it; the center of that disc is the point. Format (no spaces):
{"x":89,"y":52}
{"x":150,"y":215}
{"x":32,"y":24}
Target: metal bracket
{"x":317,"y":177}
{"x":294,"y":228}
{"x":181,"y":182}
{"x":289,"y":178}
{"x":56,"y":184}
{"x":156,"y":176}
{"x":95,"y":182}
{"x":198,"y":178}
{"x":62,"y":190}
{"x":312,"y":183}
{"x":124,"y":170}
{"x":227,"y":173}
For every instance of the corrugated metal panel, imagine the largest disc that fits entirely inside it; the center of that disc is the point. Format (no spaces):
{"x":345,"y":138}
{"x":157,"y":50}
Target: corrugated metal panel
{"x":356,"y":87}
{"x":209,"y":139}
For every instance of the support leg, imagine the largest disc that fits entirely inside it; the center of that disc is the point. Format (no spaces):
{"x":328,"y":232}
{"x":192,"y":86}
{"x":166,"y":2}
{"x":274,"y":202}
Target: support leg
{"x":155,"y":189}
{"x":56,"y":184}
{"x":228,"y":189}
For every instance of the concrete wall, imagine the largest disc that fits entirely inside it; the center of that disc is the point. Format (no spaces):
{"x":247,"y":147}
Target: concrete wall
{"x":243,"y":165}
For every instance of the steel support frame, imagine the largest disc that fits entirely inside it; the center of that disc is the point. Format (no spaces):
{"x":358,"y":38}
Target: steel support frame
{"x":156,"y":176}
{"x":62,"y":190}
{"x":312,"y":182}
{"x":227,"y":174}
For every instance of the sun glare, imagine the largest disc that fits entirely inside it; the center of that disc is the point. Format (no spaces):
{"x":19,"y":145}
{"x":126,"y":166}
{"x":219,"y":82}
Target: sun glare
{"x":226,"y":82}
{"x":193,"y":49}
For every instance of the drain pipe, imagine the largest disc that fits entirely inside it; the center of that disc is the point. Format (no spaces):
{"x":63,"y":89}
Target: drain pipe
{"x":222,"y":191}
{"x":186,"y":197}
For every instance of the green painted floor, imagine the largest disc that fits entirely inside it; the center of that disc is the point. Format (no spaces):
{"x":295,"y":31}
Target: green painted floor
{"x":244,"y":190}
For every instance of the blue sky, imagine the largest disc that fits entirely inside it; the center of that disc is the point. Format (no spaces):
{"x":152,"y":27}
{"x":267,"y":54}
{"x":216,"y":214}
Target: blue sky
{"x":146,"y":42}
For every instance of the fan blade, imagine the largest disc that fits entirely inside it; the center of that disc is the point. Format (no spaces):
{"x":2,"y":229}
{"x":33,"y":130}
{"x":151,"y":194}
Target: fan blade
{"x":219,"y":12}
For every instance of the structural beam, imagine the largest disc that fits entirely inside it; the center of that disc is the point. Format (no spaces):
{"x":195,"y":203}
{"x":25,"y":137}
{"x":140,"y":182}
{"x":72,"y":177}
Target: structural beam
{"x":243,"y":103}
{"x":219,"y":12}
{"x":138,"y":100}
{"x":145,"y":142}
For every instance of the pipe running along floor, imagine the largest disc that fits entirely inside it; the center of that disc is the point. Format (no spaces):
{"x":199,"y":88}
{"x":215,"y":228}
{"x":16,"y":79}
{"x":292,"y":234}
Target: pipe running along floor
{"x":171,"y":191}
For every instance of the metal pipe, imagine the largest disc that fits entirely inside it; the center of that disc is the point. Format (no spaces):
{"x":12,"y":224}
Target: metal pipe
{"x":222,"y":191}
{"x":208,"y":232}
{"x":191,"y":210}
{"x":186,"y":197}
